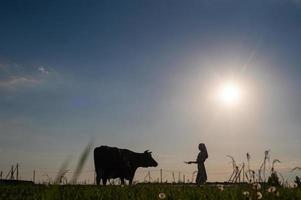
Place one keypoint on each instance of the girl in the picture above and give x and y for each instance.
(202, 156)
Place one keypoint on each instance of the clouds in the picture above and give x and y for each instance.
(43, 70)
(17, 81)
(14, 76)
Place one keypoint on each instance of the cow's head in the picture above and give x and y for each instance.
(148, 159)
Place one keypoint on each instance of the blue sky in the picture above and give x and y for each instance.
(137, 74)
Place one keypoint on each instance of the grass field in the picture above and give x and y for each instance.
(145, 191)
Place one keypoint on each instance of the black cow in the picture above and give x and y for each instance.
(112, 162)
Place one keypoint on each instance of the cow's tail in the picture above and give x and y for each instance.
(95, 159)
(97, 177)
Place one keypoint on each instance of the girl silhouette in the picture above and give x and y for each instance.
(202, 156)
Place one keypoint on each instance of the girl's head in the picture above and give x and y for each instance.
(202, 147)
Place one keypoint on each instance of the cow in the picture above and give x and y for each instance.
(112, 162)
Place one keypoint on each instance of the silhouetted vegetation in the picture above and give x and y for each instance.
(145, 191)
(273, 180)
(298, 181)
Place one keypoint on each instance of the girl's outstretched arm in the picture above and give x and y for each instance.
(190, 162)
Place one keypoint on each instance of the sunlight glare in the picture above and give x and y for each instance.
(230, 93)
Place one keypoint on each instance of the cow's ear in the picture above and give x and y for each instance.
(148, 152)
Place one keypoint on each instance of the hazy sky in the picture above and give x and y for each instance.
(142, 75)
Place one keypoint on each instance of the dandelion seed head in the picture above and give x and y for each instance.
(162, 195)
(271, 189)
(259, 195)
(220, 187)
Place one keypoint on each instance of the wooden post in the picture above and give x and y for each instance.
(173, 177)
(17, 169)
(160, 175)
(34, 176)
(148, 175)
(94, 178)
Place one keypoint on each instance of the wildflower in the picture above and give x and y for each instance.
(271, 189)
(256, 186)
(246, 193)
(220, 187)
(259, 195)
(162, 195)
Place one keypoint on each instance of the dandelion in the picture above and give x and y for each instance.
(162, 195)
(220, 187)
(271, 189)
(246, 193)
(259, 195)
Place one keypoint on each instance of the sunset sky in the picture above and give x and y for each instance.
(146, 74)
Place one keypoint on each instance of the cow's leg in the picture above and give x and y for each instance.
(97, 177)
(122, 181)
(104, 180)
(131, 177)
(131, 180)
(97, 180)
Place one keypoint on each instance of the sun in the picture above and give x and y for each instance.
(229, 93)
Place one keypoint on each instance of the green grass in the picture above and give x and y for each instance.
(141, 192)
